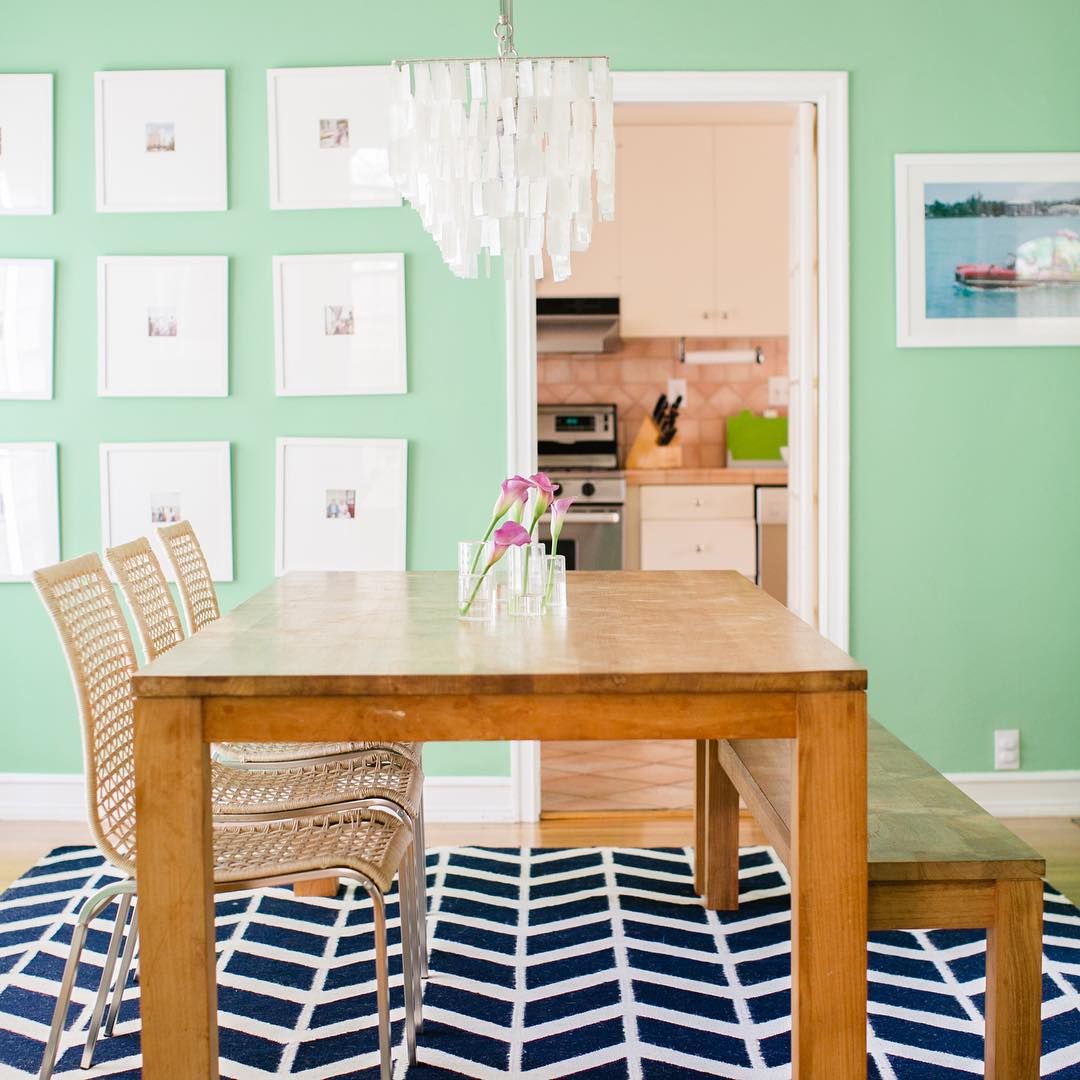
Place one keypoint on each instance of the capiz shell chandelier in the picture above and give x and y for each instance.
(497, 155)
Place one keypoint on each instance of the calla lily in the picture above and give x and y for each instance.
(545, 491)
(513, 494)
(558, 517)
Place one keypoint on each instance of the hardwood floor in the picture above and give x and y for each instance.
(22, 843)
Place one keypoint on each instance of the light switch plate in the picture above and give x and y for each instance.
(1007, 748)
(778, 390)
(676, 388)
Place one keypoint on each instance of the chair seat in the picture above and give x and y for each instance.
(368, 841)
(376, 774)
(252, 753)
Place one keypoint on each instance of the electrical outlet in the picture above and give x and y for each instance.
(778, 390)
(676, 388)
(1007, 748)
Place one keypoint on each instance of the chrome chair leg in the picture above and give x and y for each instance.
(122, 974)
(422, 898)
(105, 982)
(97, 903)
(410, 981)
(382, 980)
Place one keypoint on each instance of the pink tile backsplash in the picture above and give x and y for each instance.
(635, 376)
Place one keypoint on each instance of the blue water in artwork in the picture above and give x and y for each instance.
(950, 241)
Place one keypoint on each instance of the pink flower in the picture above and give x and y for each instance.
(509, 534)
(558, 517)
(544, 484)
(514, 492)
(545, 491)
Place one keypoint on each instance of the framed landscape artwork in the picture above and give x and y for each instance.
(29, 509)
(339, 324)
(163, 326)
(26, 144)
(26, 329)
(160, 139)
(329, 130)
(146, 485)
(988, 249)
(341, 504)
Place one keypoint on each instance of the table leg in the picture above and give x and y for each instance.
(701, 823)
(721, 869)
(175, 883)
(1014, 982)
(325, 886)
(829, 888)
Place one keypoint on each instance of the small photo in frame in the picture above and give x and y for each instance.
(163, 326)
(26, 329)
(160, 139)
(329, 130)
(147, 485)
(339, 324)
(341, 504)
(26, 144)
(988, 249)
(29, 509)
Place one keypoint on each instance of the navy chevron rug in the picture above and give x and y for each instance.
(592, 962)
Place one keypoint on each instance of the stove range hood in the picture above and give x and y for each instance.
(577, 324)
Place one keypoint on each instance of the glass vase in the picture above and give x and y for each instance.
(476, 597)
(527, 581)
(554, 584)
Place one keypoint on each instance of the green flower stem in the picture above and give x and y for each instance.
(476, 588)
(480, 550)
(551, 569)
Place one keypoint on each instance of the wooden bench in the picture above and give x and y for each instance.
(937, 861)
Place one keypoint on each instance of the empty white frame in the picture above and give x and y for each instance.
(163, 326)
(146, 485)
(26, 144)
(160, 139)
(329, 130)
(26, 328)
(339, 324)
(341, 504)
(29, 509)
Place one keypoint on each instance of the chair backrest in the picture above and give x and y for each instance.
(144, 587)
(192, 574)
(101, 659)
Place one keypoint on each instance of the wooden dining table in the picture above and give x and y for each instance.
(320, 657)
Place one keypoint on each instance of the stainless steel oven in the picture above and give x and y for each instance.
(577, 447)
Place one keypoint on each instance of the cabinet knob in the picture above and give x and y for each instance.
(699, 548)
(705, 314)
(697, 502)
(723, 314)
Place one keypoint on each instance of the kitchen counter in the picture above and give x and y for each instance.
(777, 477)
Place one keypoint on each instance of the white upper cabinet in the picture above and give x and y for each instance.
(665, 210)
(699, 245)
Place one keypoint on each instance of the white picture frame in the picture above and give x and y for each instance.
(27, 290)
(146, 485)
(29, 509)
(339, 324)
(365, 479)
(160, 141)
(26, 144)
(977, 250)
(163, 326)
(329, 134)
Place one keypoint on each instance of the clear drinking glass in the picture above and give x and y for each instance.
(527, 582)
(554, 584)
(475, 589)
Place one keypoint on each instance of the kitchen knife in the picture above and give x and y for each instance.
(658, 409)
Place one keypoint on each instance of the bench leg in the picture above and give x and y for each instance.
(701, 749)
(1014, 982)
(316, 887)
(720, 843)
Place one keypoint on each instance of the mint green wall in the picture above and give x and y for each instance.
(965, 516)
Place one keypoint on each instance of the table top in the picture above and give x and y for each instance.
(314, 634)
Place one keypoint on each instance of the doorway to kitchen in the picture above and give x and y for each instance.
(812, 109)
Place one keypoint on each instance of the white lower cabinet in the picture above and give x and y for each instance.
(699, 528)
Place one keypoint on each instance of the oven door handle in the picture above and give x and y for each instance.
(598, 517)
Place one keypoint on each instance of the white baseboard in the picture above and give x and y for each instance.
(62, 797)
(1023, 794)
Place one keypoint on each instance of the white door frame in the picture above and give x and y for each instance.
(828, 92)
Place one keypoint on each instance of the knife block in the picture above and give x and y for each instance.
(645, 454)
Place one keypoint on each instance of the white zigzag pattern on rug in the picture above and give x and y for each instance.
(593, 962)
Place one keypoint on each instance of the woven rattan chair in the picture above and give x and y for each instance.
(362, 842)
(303, 775)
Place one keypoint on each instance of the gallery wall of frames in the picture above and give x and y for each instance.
(247, 340)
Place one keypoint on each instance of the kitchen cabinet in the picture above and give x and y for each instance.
(699, 244)
(698, 527)
(665, 209)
